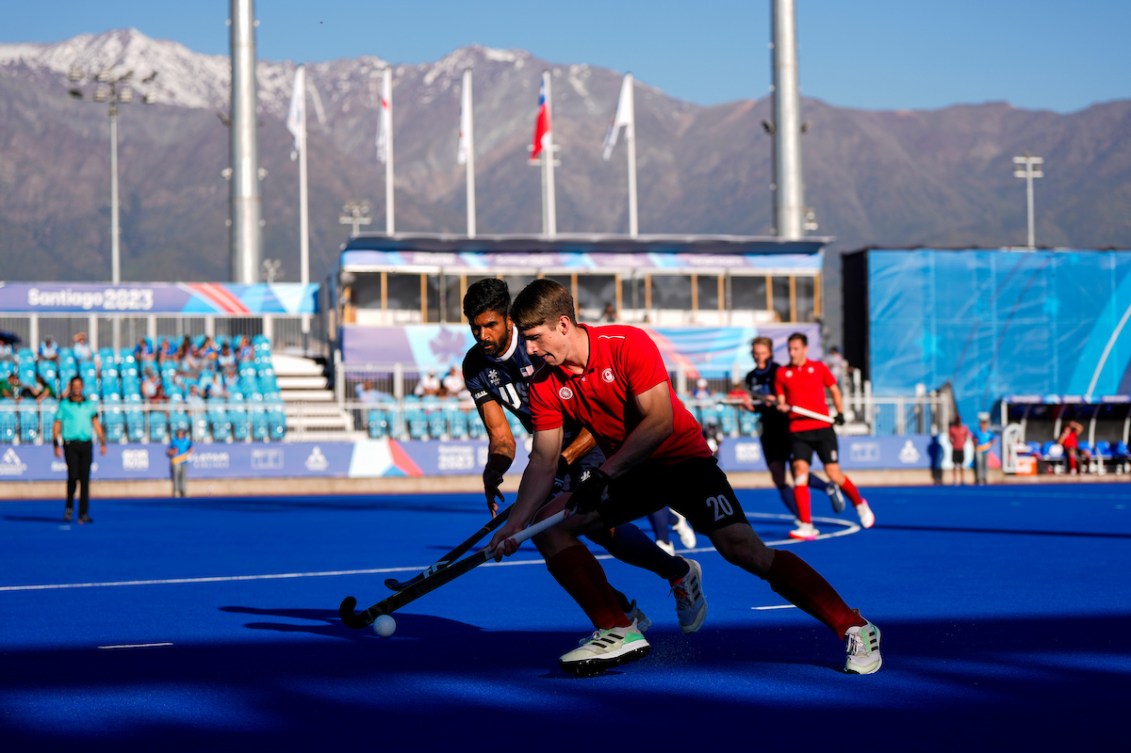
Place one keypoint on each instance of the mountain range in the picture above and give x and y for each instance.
(937, 178)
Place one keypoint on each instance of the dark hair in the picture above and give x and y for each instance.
(799, 336)
(486, 295)
(762, 340)
(540, 302)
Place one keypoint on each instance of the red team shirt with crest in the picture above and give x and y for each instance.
(623, 362)
(804, 386)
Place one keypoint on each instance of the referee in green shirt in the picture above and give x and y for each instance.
(76, 422)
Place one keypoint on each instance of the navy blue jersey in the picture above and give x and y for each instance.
(503, 380)
(760, 384)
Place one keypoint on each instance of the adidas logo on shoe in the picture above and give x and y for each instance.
(607, 648)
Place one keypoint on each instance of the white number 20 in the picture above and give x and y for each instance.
(721, 505)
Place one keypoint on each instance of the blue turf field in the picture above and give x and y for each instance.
(211, 624)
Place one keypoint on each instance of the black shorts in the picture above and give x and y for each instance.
(777, 443)
(695, 488)
(958, 456)
(821, 441)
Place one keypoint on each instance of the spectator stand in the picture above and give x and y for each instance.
(1032, 424)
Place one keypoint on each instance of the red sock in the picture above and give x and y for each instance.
(804, 509)
(852, 492)
(578, 572)
(802, 586)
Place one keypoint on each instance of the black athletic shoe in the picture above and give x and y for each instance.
(84, 519)
(68, 514)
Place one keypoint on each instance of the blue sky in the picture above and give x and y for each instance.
(874, 54)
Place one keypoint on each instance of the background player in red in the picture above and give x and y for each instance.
(803, 383)
(613, 381)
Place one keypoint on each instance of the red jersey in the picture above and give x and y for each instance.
(804, 386)
(623, 362)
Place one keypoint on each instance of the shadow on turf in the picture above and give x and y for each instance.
(326, 623)
(946, 685)
(1007, 532)
(56, 520)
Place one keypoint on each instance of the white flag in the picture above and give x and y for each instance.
(625, 116)
(296, 118)
(465, 140)
(384, 127)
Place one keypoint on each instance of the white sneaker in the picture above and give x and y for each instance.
(805, 532)
(836, 496)
(867, 519)
(686, 534)
(604, 650)
(690, 604)
(862, 646)
(667, 546)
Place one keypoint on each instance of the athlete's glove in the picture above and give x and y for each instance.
(590, 493)
(492, 480)
(838, 419)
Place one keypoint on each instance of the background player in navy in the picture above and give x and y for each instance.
(613, 381)
(776, 441)
(498, 372)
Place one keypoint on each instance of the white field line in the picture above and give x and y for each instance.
(846, 529)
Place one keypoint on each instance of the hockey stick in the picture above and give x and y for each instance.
(357, 620)
(794, 409)
(399, 585)
(811, 414)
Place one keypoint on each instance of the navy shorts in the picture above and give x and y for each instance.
(777, 444)
(821, 441)
(695, 488)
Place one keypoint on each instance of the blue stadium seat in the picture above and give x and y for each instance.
(475, 427)
(377, 423)
(135, 425)
(9, 422)
(417, 422)
(29, 425)
(277, 423)
(158, 427)
(457, 421)
(114, 424)
(221, 426)
(237, 417)
(748, 423)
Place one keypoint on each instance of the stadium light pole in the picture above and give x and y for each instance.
(356, 214)
(113, 89)
(1029, 167)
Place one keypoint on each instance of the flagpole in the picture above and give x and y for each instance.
(297, 122)
(387, 102)
(467, 127)
(630, 138)
(549, 212)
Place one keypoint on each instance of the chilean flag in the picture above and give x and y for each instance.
(541, 124)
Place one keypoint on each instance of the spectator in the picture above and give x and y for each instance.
(429, 384)
(48, 350)
(226, 357)
(180, 448)
(39, 391)
(837, 364)
(702, 390)
(453, 383)
(81, 348)
(983, 443)
(1070, 440)
(143, 351)
(10, 387)
(208, 352)
(7, 351)
(152, 388)
(737, 393)
(959, 435)
(246, 351)
(609, 315)
(231, 380)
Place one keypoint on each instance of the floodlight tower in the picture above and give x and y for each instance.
(786, 129)
(1028, 167)
(246, 231)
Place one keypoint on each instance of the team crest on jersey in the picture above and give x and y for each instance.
(607, 375)
(493, 377)
(565, 393)
(789, 373)
(527, 370)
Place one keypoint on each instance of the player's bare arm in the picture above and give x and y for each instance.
(536, 485)
(657, 425)
(500, 452)
(838, 398)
